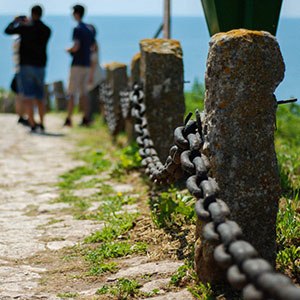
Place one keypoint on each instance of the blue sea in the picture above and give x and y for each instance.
(119, 39)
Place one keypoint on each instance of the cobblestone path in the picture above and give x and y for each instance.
(30, 165)
(29, 168)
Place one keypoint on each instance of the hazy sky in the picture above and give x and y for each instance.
(291, 8)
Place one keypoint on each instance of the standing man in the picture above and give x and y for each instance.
(83, 39)
(34, 36)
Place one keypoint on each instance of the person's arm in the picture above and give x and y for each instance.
(12, 28)
(76, 42)
(16, 26)
(74, 48)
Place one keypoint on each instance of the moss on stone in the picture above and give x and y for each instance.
(162, 46)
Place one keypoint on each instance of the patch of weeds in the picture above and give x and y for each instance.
(178, 277)
(289, 259)
(126, 199)
(87, 184)
(82, 204)
(287, 147)
(67, 197)
(289, 165)
(106, 189)
(194, 99)
(54, 221)
(288, 125)
(106, 211)
(67, 295)
(124, 289)
(172, 208)
(69, 257)
(115, 249)
(95, 165)
(288, 237)
(101, 268)
(119, 225)
(96, 160)
(129, 159)
(288, 222)
(186, 276)
(110, 206)
(32, 210)
(154, 292)
(70, 177)
(202, 291)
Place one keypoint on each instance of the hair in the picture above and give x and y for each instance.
(78, 9)
(37, 10)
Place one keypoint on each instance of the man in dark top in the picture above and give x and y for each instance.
(83, 40)
(34, 38)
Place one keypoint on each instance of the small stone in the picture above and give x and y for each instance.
(182, 295)
(155, 285)
(161, 267)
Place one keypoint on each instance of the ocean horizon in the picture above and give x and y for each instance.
(119, 38)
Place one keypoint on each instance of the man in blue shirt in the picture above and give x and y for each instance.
(83, 40)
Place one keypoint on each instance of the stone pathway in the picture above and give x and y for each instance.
(30, 165)
(29, 168)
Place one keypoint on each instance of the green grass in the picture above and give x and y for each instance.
(128, 160)
(288, 219)
(118, 226)
(69, 178)
(194, 99)
(202, 291)
(101, 268)
(181, 273)
(67, 295)
(115, 249)
(172, 208)
(124, 289)
(79, 204)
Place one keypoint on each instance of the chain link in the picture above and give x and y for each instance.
(125, 103)
(245, 270)
(112, 119)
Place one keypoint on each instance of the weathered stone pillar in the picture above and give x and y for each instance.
(59, 95)
(243, 70)
(162, 77)
(116, 74)
(47, 97)
(135, 67)
(134, 78)
(101, 92)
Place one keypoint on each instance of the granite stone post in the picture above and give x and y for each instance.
(135, 69)
(162, 77)
(243, 70)
(47, 99)
(101, 92)
(59, 95)
(134, 78)
(116, 74)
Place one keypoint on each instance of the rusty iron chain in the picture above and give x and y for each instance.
(246, 271)
(102, 87)
(110, 115)
(157, 171)
(125, 103)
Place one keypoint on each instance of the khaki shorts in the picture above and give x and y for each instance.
(78, 80)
